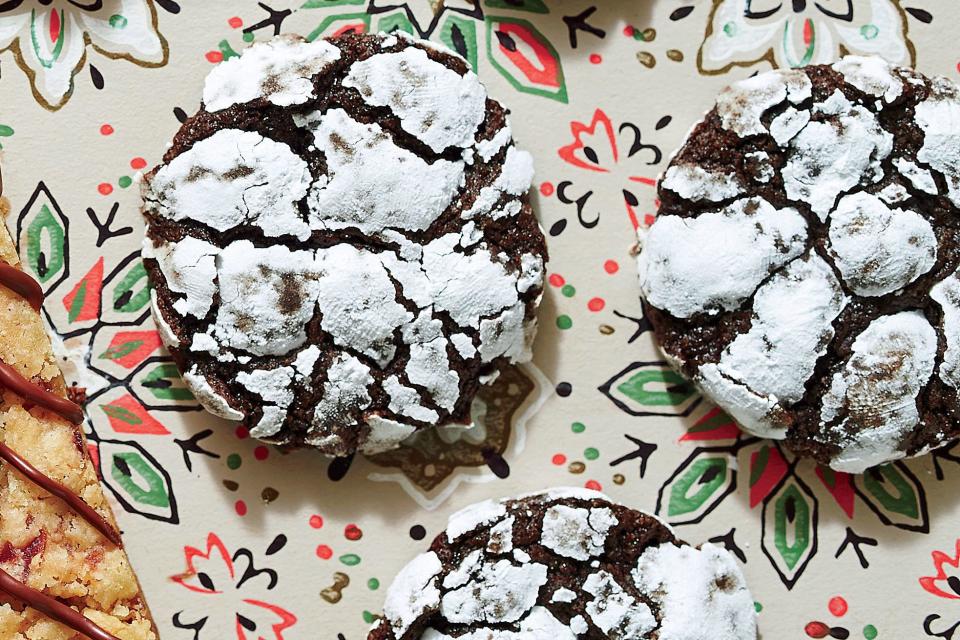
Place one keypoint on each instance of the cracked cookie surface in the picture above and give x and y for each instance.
(802, 270)
(341, 243)
(562, 565)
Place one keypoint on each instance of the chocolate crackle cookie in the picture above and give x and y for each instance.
(563, 565)
(341, 244)
(803, 267)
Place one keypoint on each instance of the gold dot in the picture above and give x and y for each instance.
(231, 485)
(648, 35)
(577, 467)
(606, 329)
(269, 494)
(675, 54)
(646, 59)
(618, 478)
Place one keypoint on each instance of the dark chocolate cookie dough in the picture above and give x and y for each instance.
(803, 267)
(566, 564)
(340, 242)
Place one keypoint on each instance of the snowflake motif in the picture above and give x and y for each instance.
(226, 595)
(793, 34)
(49, 41)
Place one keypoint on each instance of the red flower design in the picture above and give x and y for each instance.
(596, 147)
(211, 572)
(943, 585)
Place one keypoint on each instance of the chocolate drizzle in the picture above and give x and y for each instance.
(11, 379)
(52, 486)
(22, 284)
(52, 607)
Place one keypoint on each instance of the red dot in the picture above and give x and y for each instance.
(105, 188)
(611, 266)
(316, 521)
(596, 304)
(817, 630)
(138, 163)
(593, 485)
(595, 58)
(557, 280)
(235, 22)
(261, 453)
(241, 507)
(558, 459)
(838, 606)
(214, 57)
(324, 552)
(648, 219)
(352, 532)
(106, 130)
(628, 31)
(546, 188)
(242, 432)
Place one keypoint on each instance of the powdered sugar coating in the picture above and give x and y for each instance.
(279, 70)
(567, 564)
(939, 117)
(330, 232)
(689, 606)
(877, 390)
(678, 263)
(862, 157)
(879, 250)
(433, 102)
(792, 325)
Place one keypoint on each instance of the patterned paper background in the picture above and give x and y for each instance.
(236, 540)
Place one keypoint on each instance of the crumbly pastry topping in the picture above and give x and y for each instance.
(341, 244)
(802, 270)
(565, 564)
(58, 536)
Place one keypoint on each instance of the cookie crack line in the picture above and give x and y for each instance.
(344, 236)
(875, 179)
(34, 393)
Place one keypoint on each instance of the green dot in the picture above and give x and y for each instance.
(118, 21)
(350, 559)
(5, 131)
(248, 37)
(564, 322)
(368, 617)
(869, 632)
(125, 181)
(730, 29)
(373, 584)
(578, 427)
(758, 607)
(233, 460)
(568, 290)
(590, 453)
(869, 31)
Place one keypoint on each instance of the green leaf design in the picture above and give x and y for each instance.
(644, 388)
(460, 35)
(126, 298)
(115, 353)
(330, 21)
(763, 457)
(323, 4)
(395, 22)
(165, 383)
(532, 6)
(76, 305)
(138, 481)
(789, 537)
(510, 44)
(697, 485)
(121, 414)
(792, 530)
(45, 245)
(893, 492)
